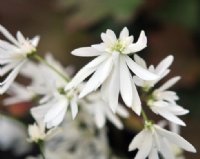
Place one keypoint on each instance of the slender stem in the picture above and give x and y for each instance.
(144, 116)
(40, 59)
(41, 150)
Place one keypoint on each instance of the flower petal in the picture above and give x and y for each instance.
(176, 139)
(125, 83)
(86, 52)
(6, 33)
(139, 71)
(74, 107)
(98, 78)
(124, 33)
(164, 64)
(85, 72)
(136, 104)
(140, 44)
(169, 83)
(10, 78)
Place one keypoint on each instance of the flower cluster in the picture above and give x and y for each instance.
(113, 74)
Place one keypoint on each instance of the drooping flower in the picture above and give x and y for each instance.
(154, 140)
(163, 102)
(162, 69)
(100, 110)
(111, 69)
(55, 101)
(13, 55)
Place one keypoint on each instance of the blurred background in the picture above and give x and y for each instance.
(171, 26)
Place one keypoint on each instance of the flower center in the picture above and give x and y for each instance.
(118, 46)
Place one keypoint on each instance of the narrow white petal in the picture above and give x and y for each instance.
(56, 120)
(10, 78)
(153, 154)
(136, 104)
(108, 40)
(74, 107)
(176, 139)
(114, 119)
(35, 41)
(121, 111)
(140, 44)
(140, 61)
(138, 81)
(114, 86)
(165, 149)
(5, 69)
(39, 112)
(124, 33)
(125, 83)
(20, 38)
(139, 71)
(98, 78)
(7, 46)
(137, 140)
(100, 118)
(164, 64)
(169, 83)
(85, 72)
(145, 147)
(5, 32)
(86, 52)
(56, 109)
(100, 47)
(111, 34)
(162, 109)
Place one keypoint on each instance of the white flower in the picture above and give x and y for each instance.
(37, 133)
(161, 70)
(163, 102)
(101, 111)
(19, 93)
(53, 111)
(13, 55)
(111, 69)
(154, 139)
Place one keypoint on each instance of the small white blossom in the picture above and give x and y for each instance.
(153, 140)
(100, 110)
(162, 69)
(55, 102)
(36, 133)
(163, 102)
(18, 93)
(111, 69)
(13, 55)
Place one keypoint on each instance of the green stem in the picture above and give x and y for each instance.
(40, 59)
(41, 150)
(144, 116)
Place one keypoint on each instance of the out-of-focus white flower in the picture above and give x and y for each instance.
(161, 70)
(101, 111)
(154, 139)
(53, 111)
(163, 102)
(55, 101)
(18, 93)
(13, 55)
(13, 136)
(37, 132)
(111, 69)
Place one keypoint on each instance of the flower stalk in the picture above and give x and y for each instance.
(42, 60)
